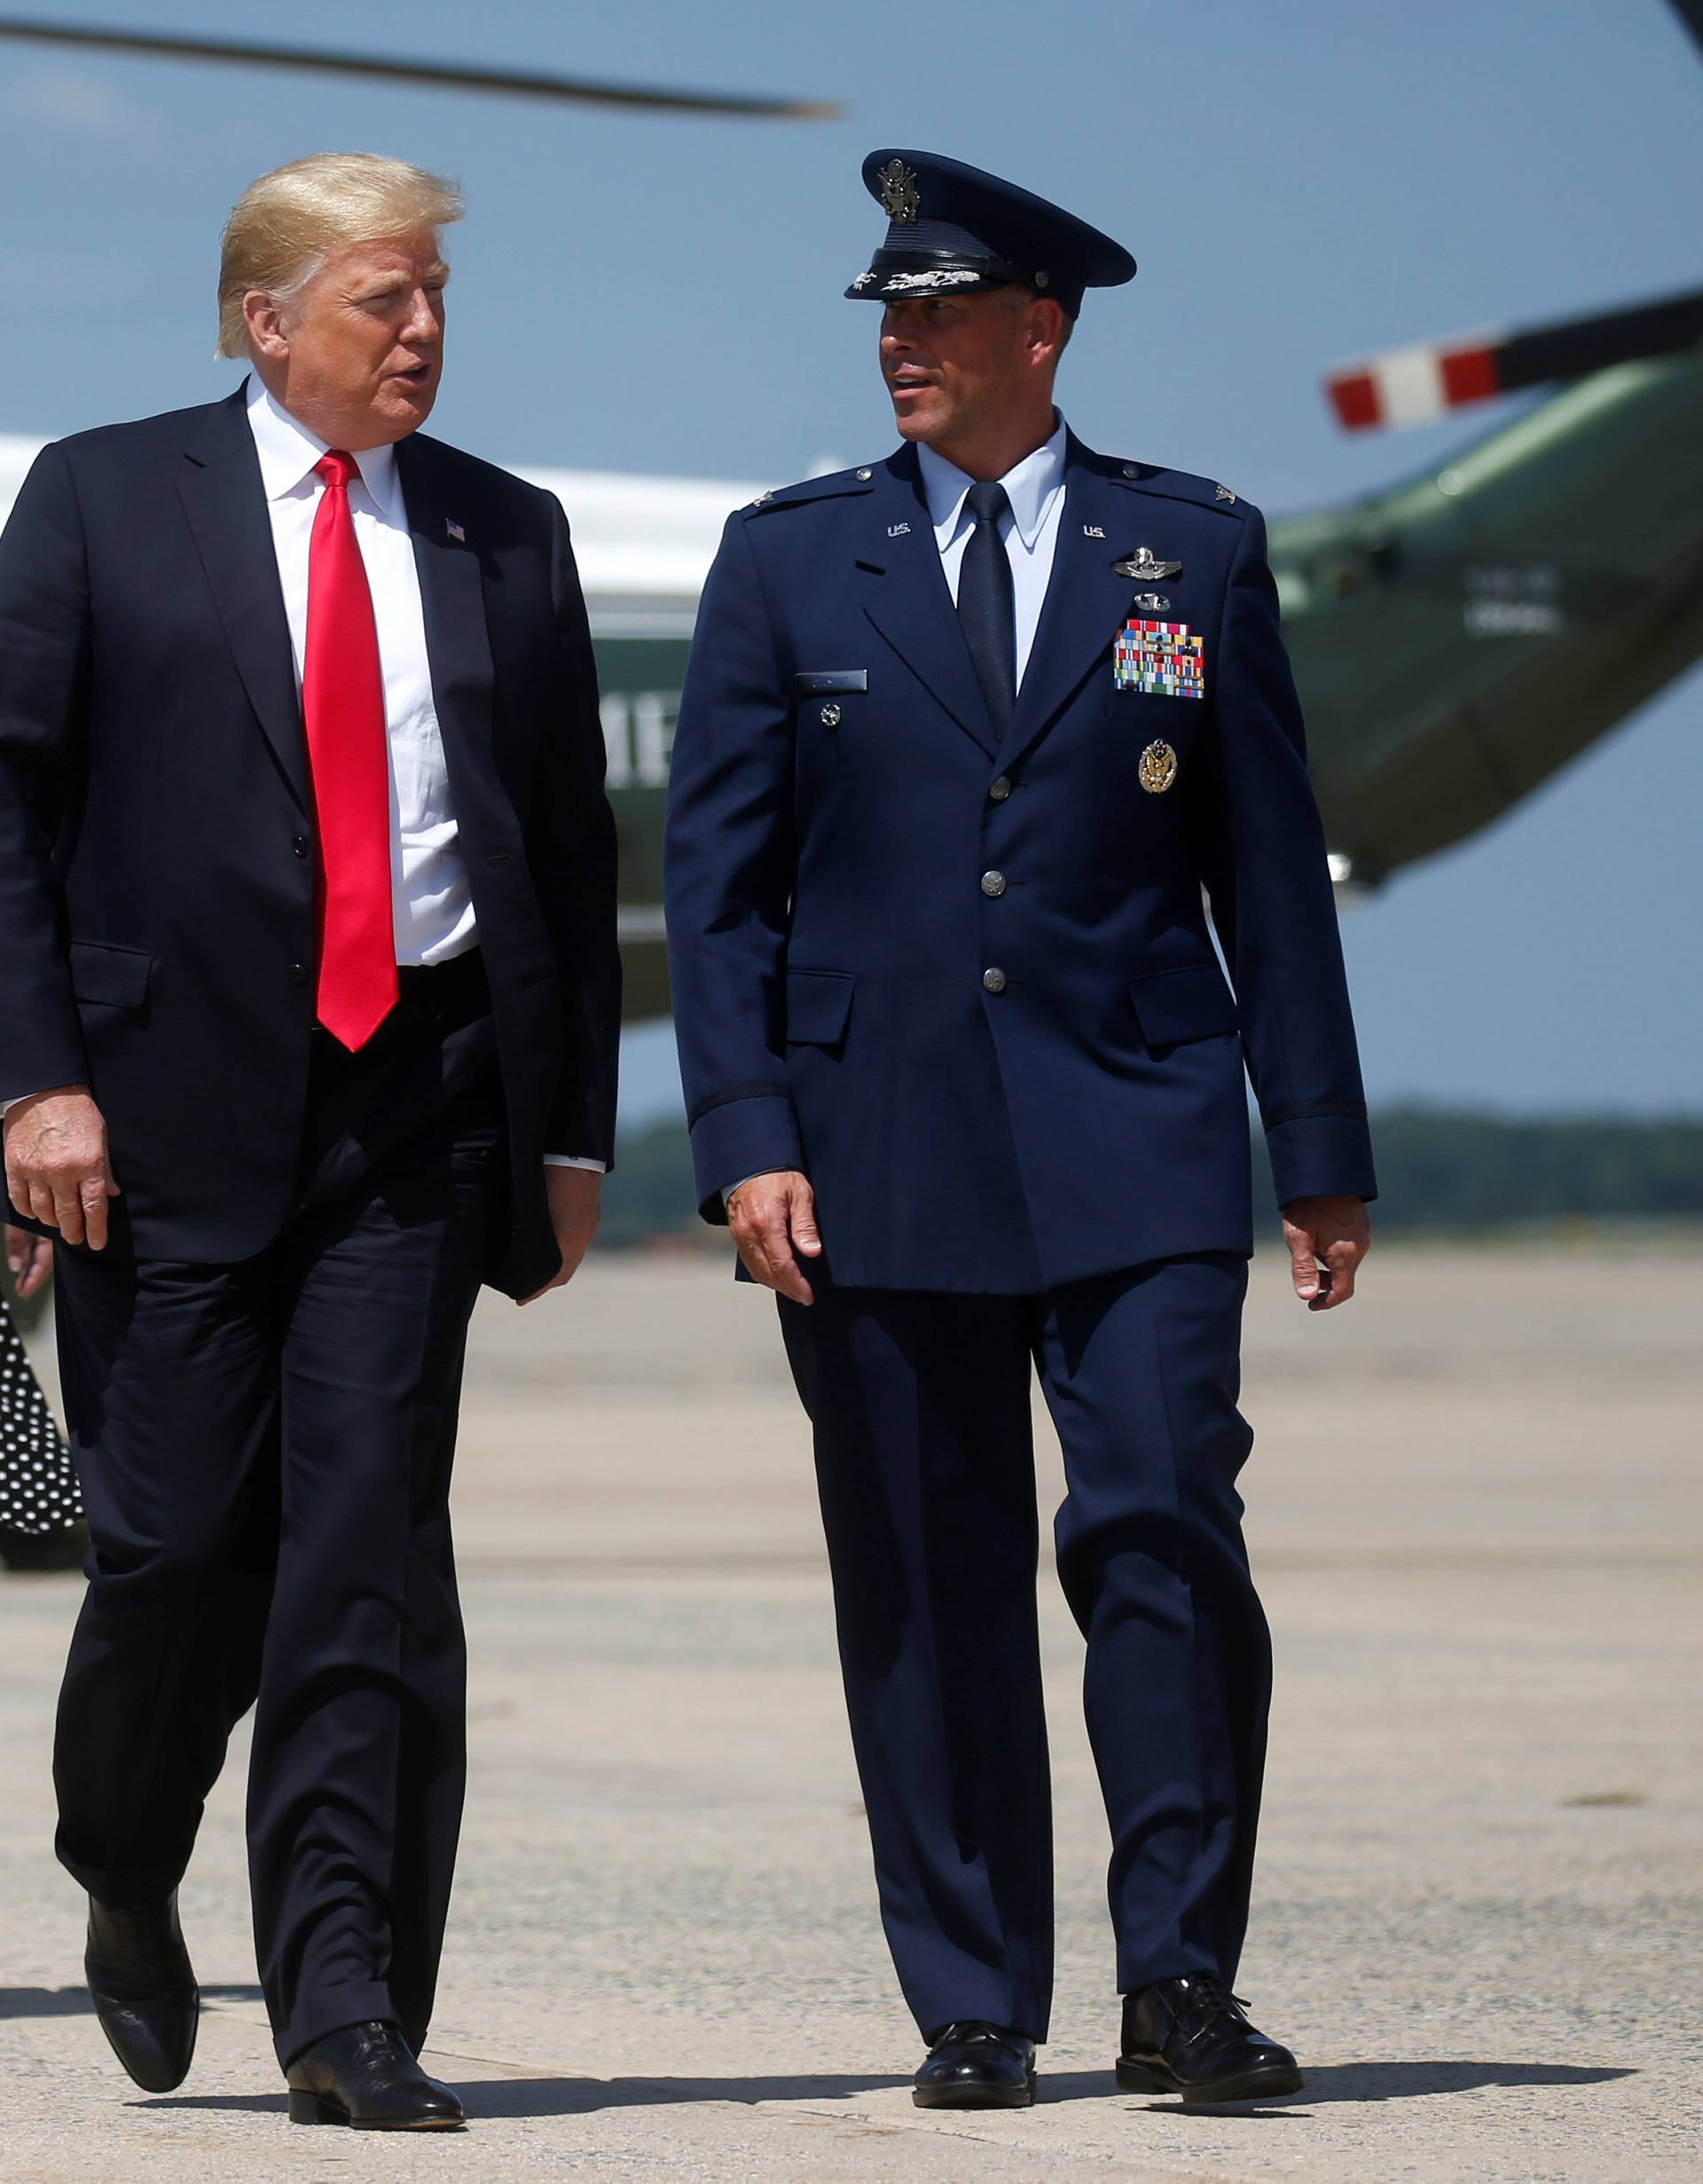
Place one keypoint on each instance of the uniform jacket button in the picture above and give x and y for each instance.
(993, 883)
(995, 981)
(999, 791)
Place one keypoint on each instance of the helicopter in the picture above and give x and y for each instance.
(1457, 636)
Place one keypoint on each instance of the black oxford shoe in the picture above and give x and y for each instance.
(143, 1986)
(1188, 2036)
(366, 2077)
(974, 2065)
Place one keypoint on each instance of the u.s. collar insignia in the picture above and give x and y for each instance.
(1157, 769)
(1142, 566)
(898, 196)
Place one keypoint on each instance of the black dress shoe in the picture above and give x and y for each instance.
(144, 1990)
(366, 2077)
(974, 2065)
(1188, 2036)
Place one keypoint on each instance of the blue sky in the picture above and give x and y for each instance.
(1300, 184)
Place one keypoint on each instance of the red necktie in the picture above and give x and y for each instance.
(342, 707)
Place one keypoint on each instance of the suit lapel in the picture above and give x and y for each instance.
(912, 608)
(1085, 601)
(452, 599)
(225, 505)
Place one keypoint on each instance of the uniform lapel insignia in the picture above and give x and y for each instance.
(1091, 530)
(899, 530)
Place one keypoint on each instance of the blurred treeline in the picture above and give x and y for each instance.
(1438, 1170)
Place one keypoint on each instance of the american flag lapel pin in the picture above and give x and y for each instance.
(455, 530)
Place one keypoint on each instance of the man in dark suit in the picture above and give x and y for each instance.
(311, 992)
(966, 733)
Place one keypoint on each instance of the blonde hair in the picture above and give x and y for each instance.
(282, 226)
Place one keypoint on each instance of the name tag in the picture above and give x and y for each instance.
(830, 682)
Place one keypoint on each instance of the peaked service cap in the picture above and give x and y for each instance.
(955, 230)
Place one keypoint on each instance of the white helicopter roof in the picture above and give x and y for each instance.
(644, 545)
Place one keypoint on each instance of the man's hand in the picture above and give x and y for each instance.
(771, 1217)
(57, 1169)
(30, 1259)
(1327, 1238)
(576, 1196)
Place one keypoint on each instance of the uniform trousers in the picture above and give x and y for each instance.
(265, 1450)
(920, 1404)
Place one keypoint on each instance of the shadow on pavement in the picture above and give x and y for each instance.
(513, 2098)
(1353, 2082)
(73, 2002)
(492, 2098)
(1408, 2081)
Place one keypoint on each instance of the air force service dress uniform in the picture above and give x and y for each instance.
(957, 969)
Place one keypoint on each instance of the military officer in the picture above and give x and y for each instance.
(966, 733)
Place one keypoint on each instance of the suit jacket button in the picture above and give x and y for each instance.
(298, 973)
(993, 884)
(999, 791)
(995, 981)
(300, 845)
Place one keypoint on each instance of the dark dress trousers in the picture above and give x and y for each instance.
(262, 1370)
(963, 979)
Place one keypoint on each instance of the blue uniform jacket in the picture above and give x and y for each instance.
(967, 987)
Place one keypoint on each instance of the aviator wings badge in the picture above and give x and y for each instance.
(1142, 566)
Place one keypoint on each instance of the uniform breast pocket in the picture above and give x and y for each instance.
(1153, 735)
(829, 698)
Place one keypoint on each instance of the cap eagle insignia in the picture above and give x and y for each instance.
(898, 196)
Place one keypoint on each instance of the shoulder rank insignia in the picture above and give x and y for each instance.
(762, 499)
(1142, 566)
(898, 196)
(1223, 492)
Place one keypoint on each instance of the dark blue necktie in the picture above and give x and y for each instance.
(986, 612)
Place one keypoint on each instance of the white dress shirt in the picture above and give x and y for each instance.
(1035, 488)
(431, 902)
(432, 906)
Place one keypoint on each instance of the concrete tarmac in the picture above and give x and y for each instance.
(1473, 1509)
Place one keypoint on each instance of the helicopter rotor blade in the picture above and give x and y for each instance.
(1691, 13)
(440, 75)
(1414, 385)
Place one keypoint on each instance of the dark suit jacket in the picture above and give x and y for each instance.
(846, 867)
(156, 817)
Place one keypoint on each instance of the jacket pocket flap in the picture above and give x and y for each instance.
(1192, 1003)
(117, 976)
(818, 1005)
